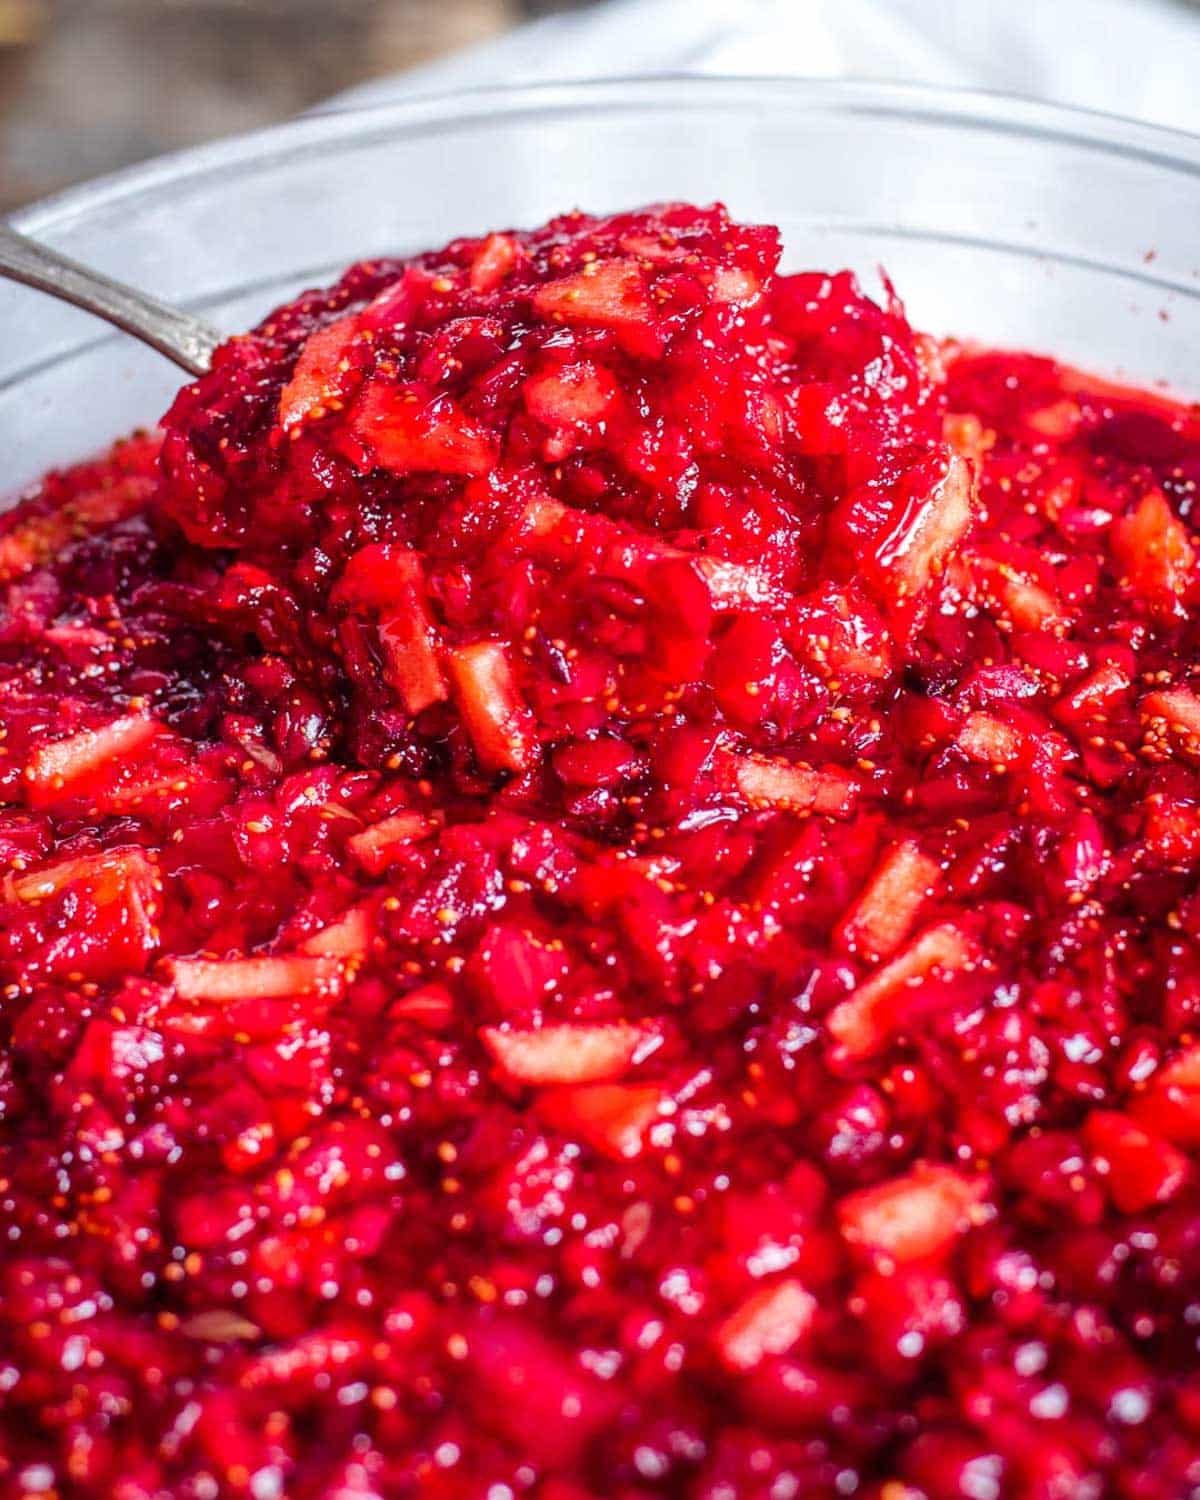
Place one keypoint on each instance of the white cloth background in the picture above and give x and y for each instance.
(1129, 57)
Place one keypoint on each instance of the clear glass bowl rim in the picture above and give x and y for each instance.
(332, 126)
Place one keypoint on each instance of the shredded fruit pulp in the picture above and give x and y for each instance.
(598, 898)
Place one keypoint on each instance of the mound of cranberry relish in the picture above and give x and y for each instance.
(599, 900)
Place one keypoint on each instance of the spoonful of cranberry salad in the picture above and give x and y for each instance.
(599, 899)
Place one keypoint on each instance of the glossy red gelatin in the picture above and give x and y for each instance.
(599, 900)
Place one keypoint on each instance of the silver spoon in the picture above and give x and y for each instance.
(182, 338)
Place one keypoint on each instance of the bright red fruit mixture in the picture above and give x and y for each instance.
(599, 901)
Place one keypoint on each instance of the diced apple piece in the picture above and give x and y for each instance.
(140, 791)
(734, 585)
(530, 1388)
(570, 395)
(1093, 696)
(431, 1006)
(410, 659)
(989, 740)
(883, 915)
(60, 768)
(878, 1008)
(766, 782)
(1022, 601)
(494, 259)
(733, 284)
(605, 294)
(410, 429)
(384, 842)
(264, 978)
(612, 1118)
(899, 554)
(967, 435)
(514, 968)
(119, 933)
(559, 533)
(318, 385)
(1142, 1169)
(500, 725)
(913, 1217)
(349, 937)
(379, 577)
(1152, 549)
(840, 633)
(107, 874)
(1059, 421)
(219, 1325)
(768, 1322)
(1171, 717)
(570, 1052)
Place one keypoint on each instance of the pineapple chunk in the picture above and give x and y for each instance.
(263, 978)
(412, 430)
(1171, 718)
(990, 741)
(62, 768)
(500, 725)
(612, 1118)
(605, 294)
(348, 938)
(570, 1052)
(913, 1217)
(384, 842)
(879, 1007)
(883, 915)
(1156, 559)
(768, 1322)
(789, 787)
(318, 384)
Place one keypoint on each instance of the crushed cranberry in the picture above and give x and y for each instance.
(599, 900)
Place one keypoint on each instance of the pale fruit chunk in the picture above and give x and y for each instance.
(608, 294)
(61, 768)
(1152, 549)
(883, 915)
(767, 1323)
(790, 787)
(612, 1118)
(913, 1217)
(882, 1004)
(262, 978)
(500, 725)
(570, 1052)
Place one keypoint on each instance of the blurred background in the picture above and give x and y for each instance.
(90, 85)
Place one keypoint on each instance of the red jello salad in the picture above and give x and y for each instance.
(599, 900)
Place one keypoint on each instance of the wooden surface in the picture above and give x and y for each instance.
(89, 85)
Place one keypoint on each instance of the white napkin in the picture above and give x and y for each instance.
(1129, 57)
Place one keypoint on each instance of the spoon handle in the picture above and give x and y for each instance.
(178, 335)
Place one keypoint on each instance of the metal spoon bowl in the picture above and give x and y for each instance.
(178, 335)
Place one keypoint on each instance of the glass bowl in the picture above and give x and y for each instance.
(998, 219)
